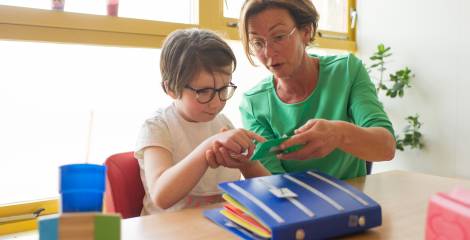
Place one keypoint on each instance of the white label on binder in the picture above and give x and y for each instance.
(282, 192)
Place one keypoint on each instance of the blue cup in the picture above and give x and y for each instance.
(82, 187)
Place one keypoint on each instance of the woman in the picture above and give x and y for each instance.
(327, 104)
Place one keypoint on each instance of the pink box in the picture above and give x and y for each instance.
(112, 7)
(449, 215)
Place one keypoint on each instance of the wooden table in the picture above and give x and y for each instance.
(402, 195)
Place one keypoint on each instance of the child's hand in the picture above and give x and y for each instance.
(232, 148)
(237, 140)
(211, 159)
(233, 160)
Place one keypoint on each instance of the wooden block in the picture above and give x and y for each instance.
(77, 226)
(108, 227)
(80, 226)
(48, 227)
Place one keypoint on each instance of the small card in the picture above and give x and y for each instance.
(268, 148)
(282, 192)
(271, 148)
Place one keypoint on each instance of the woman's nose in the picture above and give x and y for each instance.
(269, 49)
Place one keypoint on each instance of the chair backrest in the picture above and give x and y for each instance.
(124, 189)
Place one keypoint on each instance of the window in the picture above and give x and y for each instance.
(335, 28)
(40, 4)
(49, 109)
(232, 8)
(333, 15)
(179, 11)
(52, 96)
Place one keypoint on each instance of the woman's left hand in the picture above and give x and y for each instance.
(318, 138)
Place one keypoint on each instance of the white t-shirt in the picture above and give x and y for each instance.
(169, 130)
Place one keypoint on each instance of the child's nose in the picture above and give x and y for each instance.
(215, 102)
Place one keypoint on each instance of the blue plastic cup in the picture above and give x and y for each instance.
(82, 187)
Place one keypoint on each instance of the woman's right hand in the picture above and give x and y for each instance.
(319, 138)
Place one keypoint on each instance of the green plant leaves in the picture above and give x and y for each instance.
(395, 86)
(410, 136)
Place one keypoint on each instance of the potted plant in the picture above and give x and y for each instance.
(394, 86)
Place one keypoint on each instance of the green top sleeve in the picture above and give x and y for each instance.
(364, 107)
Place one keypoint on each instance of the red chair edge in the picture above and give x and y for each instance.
(132, 205)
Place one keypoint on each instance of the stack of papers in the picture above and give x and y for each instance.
(242, 217)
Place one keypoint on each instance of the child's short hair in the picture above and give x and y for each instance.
(186, 52)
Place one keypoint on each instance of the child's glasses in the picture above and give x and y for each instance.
(257, 45)
(205, 95)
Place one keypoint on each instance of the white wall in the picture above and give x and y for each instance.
(432, 38)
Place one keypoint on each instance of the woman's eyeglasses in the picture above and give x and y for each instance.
(257, 45)
(205, 95)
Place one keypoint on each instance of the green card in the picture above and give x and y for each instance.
(271, 148)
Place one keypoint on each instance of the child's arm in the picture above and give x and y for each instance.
(254, 169)
(168, 183)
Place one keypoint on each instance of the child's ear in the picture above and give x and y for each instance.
(168, 91)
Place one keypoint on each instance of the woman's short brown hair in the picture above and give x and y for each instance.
(186, 52)
(302, 11)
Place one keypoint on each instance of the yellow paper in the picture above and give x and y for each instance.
(242, 222)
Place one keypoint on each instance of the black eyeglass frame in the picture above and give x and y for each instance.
(214, 90)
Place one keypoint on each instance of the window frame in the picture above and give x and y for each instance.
(51, 206)
(323, 39)
(19, 23)
(29, 24)
(338, 40)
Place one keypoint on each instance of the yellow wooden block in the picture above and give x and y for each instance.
(77, 226)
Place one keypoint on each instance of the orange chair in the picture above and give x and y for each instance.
(124, 189)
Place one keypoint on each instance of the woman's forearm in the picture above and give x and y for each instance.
(370, 144)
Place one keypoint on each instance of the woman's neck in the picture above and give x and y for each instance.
(302, 82)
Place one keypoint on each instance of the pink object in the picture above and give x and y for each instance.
(58, 4)
(113, 6)
(449, 215)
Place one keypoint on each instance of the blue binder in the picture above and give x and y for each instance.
(323, 206)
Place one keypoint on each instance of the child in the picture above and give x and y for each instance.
(196, 67)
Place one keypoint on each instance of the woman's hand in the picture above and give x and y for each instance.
(318, 138)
